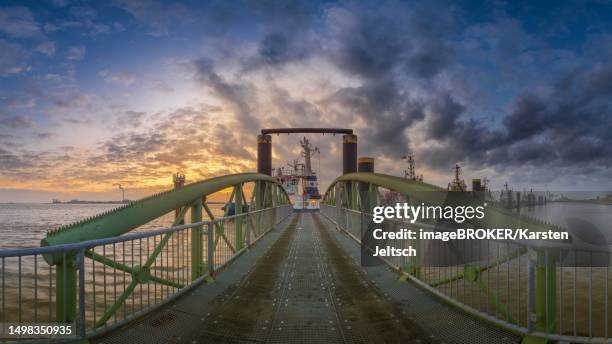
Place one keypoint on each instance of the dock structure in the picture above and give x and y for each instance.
(303, 284)
(264, 274)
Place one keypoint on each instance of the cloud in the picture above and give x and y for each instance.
(43, 136)
(18, 21)
(238, 96)
(10, 161)
(157, 15)
(12, 59)
(123, 78)
(76, 53)
(16, 122)
(69, 99)
(83, 12)
(47, 48)
(162, 86)
(131, 118)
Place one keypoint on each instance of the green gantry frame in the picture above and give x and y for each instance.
(345, 192)
(267, 193)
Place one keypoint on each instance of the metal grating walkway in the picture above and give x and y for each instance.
(302, 284)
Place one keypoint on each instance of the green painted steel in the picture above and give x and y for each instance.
(496, 217)
(239, 238)
(196, 241)
(66, 290)
(121, 220)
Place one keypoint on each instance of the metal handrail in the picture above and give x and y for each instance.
(16, 252)
(481, 289)
(126, 276)
(539, 244)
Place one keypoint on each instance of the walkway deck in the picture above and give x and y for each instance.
(302, 283)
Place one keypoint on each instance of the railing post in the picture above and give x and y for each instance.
(80, 263)
(541, 297)
(211, 249)
(531, 316)
(196, 240)
(546, 296)
(258, 204)
(66, 289)
(248, 230)
(238, 220)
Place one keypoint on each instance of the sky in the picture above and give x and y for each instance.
(130, 92)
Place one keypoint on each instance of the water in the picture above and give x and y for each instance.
(27, 283)
(24, 225)
(590, 222)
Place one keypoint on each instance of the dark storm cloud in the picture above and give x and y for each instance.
(238, 96)
(277, 48)
(388, 48)
(286, 29)
(405, 64)
(567, 126)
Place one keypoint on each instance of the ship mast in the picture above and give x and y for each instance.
(307, 153)
(457, 184)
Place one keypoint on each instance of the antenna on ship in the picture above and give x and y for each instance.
(410, 173)
(457, 184)
(307, 152)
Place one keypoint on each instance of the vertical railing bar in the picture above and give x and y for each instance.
(164, 265)
(50, 288)
(530, 290)
(179, 262)
(154, 266)
(590, 294)
(124, 277)
(19, 288)
(497, 281)
(508, 297)
(81, 270)
(148, 284)
(115, 280)
(140, 285)
(561, 296)
(488, 272)
(93, 277)
(546, 286)
(211, 249)
(173, 239)
(574, 292)
(133, 261)
(104, 281)
(4, 292)
(64, 291)
(606, 299)
(36, 288)
(518, 305)
(162, 272)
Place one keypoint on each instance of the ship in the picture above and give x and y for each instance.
(300, 180)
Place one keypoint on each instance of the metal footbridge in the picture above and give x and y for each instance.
(269, 275)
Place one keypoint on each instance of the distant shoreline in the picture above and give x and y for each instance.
(602, 201)
(90, 202)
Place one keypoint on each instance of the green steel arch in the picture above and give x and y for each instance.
(267, 192)
(434, 195)
(348, 195)
(123, 219)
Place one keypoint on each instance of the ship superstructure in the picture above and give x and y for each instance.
(300, 180)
